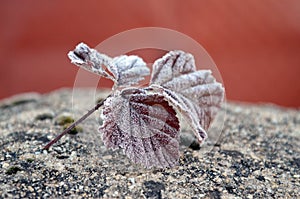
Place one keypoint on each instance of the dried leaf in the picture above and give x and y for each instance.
(144, 125)
(196, 94)
(90, 59)
(128, 70)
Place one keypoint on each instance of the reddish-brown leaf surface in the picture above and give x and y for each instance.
(144, 125)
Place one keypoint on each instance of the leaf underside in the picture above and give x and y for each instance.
(144, 125)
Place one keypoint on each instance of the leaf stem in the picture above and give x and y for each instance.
(73, 125)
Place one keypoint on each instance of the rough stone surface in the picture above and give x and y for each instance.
(257, 155)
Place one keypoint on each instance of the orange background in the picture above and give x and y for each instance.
(255, 43)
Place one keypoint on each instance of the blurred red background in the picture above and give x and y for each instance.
(255, 44)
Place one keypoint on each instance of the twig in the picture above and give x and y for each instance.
(73, 125)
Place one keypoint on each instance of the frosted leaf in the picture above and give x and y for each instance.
(90, 59)
(141, 121)
(144, 125)
(196, 94)
(125, 70)
(128, 70)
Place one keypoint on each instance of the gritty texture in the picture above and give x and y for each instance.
(257, 155)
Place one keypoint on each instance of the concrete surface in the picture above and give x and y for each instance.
(257, 155)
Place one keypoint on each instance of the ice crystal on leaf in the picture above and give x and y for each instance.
(89, 59)
(128, 70)
(143, 121)
(144, 125)
(125, 70)
(196, 94)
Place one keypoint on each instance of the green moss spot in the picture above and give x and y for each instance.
(75, 130)
(13, 170)
(63, 120)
